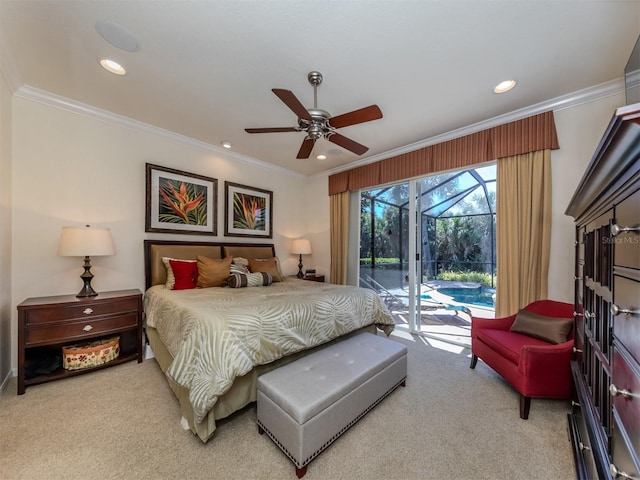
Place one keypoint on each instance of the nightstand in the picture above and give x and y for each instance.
(46, 324)
(315, 278)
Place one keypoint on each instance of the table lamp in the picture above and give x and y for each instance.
(85, 242)
(301, 247)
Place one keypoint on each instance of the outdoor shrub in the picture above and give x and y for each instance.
(482, 278)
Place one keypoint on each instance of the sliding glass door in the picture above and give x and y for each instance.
(388, 247)
(419, 240)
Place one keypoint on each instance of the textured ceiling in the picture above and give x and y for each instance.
(205, 69)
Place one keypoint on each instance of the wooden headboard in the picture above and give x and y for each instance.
(154, 250)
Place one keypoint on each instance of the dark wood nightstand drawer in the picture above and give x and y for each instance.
(315, 278)
(77, 330)
(82, 310)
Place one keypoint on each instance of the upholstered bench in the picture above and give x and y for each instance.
(305, 405)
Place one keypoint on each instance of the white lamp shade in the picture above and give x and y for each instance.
(301, 246)
(85, 241)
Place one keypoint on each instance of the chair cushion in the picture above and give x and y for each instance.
(551, 329)
(507, 344)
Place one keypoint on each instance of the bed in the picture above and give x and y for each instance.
(253, 330)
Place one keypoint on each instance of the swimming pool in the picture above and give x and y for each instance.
(480, 296)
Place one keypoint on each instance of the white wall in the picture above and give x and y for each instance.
(579, 131)
(5, 232)
(71, 169)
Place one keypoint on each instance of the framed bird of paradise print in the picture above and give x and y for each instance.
(180, 202)
(248, 211)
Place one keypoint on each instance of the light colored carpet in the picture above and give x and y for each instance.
(124, 422)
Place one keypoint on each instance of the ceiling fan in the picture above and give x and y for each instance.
(319, 123)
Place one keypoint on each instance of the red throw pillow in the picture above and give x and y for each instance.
(186, 274)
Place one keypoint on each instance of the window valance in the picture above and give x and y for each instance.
(515, 138)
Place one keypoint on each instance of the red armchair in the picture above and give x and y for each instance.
(534, 367)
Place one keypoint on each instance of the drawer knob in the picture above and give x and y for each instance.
(615, 473)
(87, 328)
(617, 229)
(88, 311)
(575, 404)
(616, 310)
(615, 391)
(588, 314)
(576, 350)
(583, 446)
(577, 314)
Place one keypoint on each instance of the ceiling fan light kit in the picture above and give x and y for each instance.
(318, 123)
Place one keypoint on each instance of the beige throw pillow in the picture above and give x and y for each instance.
(550, 329)
(266, 265)
(213, 272)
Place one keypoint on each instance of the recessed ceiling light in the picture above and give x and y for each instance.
(504, 86)
(226, 144)
(112, 66)
(321, 156)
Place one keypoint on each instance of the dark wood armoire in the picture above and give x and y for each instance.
(604, 424)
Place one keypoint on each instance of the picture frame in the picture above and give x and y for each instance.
(180, 202)
(248, 211)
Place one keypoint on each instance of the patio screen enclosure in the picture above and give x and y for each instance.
(455, 231)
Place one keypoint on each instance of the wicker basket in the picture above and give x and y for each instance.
(85, 355)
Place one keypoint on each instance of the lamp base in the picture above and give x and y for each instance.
(87, 276)
(300, 274)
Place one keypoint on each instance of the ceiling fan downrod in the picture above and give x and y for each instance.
(315, 79)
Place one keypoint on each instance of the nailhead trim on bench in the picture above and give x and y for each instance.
(332, 439)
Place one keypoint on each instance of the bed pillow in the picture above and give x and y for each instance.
(550, 329)
(185, 274)
(258, 279)
(213, 272)
(239, 265)
(171, 279)
(266, 265)
(243, 262)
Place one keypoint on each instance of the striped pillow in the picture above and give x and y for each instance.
(233, 268)
(240, 280)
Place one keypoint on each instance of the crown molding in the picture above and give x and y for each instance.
(607, 89)
(56, 101)
(570, 100)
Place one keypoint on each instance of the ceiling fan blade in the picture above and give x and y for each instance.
(366, 114)
(271, 130)
(293, 103)
(306, 147)
(347, 143)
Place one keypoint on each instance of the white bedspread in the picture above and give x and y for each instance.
(218, 334)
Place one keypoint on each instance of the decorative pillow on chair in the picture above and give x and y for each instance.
(550, 329)
(171, 279)
(266, 265)
(258, 279)
(213, 272)
(185, 274)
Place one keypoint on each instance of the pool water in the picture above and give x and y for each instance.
(481, 296)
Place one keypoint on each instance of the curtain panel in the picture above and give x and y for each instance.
(515, 138)
(523, 230)
(339, 237)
